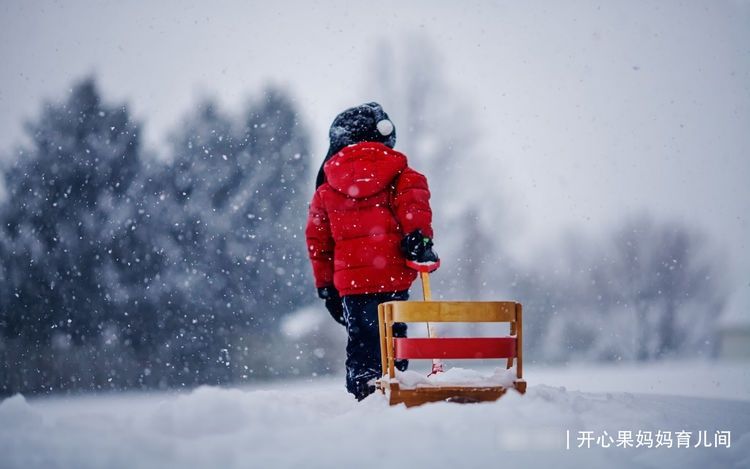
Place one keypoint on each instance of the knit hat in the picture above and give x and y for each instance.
(365, 123)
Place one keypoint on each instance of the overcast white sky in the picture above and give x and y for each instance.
(592, 110)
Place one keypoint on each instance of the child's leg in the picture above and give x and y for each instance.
(363, 347)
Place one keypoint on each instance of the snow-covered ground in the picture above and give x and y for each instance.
(316, 424)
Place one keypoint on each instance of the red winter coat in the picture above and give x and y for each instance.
(360, 214)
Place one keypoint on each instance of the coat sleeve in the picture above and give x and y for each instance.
(411, 203)
(320, 243)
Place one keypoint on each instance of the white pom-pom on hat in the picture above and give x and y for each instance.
(385, 127)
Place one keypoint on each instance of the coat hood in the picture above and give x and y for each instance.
(365, 123)
(363, 169)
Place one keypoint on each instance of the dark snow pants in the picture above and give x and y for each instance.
(363, 347)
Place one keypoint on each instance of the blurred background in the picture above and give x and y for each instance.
(590, 160)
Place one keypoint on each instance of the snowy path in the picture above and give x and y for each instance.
(317, 425)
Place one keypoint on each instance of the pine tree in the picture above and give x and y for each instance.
(67, 206)
(121, 271)
(276, 210)
(199, 291)
(228, 218)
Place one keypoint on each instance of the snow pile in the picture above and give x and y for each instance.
(316, 424)
(456, 377)
(303, 321)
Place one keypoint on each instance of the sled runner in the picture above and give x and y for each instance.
(394, 348)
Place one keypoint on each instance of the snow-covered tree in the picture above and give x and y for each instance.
(665, 275)
(644, 290)
(67, 207)
(122, 270)
(276, 209)
(227, 212)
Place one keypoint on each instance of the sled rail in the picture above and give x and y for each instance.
(453, 311)
(455, 348)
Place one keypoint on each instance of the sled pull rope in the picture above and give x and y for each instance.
(437, 364)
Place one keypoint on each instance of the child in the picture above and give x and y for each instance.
(369, 215)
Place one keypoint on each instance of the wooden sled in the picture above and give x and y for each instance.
(393, 348)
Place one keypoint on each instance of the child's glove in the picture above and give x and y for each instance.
(334, 305)
(418, 251)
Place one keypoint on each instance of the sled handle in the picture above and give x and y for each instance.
(426, 292)
(437, 364)
(423, 266)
